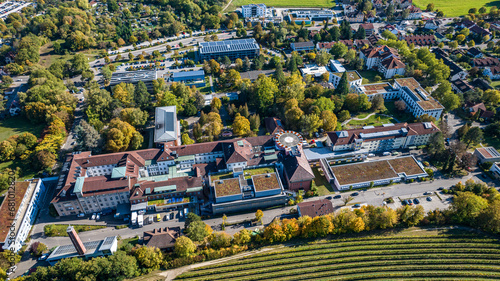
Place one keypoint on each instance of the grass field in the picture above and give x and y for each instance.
(369, 76)
(18, 125)
(59, 230)
(324, 187)
(288, 3)
(420, 255)
(374, 120)
(455, 9)
(47, 56)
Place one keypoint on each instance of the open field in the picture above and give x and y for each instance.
(408, 254)
(455, 9)
(290, 3)
(18, 125)
(47, 55)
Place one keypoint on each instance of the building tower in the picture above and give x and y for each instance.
(75, 239)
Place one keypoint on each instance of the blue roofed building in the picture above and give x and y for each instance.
(233, 49)
(189, 78)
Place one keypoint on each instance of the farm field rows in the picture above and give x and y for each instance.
(454, 8)
(457, 256)
(289, 3)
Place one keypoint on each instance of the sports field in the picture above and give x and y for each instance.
(452, 8)
(457, 256)
(289, 3)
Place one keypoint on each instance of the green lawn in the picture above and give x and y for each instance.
(374, 120)
(495, 84)
(455, 9)
(369, 76)
(59, 230)
(18, 125)
(290, 3)
(47, 56)
(324, 187)
(401, 116)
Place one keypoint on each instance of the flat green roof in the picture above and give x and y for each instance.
(194, 189)
(165, 188)
(79, 185)
(270, 157)
(185, 158)
(118, 172)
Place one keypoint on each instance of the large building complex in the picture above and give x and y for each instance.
(232, 49)
(189, 78)
(382, 138)
(19, 210)
(307, 16)
(179, 176)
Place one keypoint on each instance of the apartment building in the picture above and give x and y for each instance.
(353, 78)
(383, 59)
(253, 10)
(19, 210)
(382, 138)
(418, 101)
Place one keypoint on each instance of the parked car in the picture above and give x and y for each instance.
(329, 198)
(167, 217)
(43, 257)
(416, 201)
(371, 155)
(429, 198)
(405, 202)
(410, 202)
(355, 194)
(441, 188)
(150, 219)
(180, 214)
(93, 216)
(357, 206)
(337, 196)
(387, 153)
(171, 216)
(98, 217)
(427, 193)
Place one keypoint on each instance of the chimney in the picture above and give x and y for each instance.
(75, 239)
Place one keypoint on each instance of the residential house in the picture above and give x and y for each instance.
(162, 238)
(302, 46)
(315, 208)
(420, 40)
(493, 72)
(461, 86)
(479, 111)
(369, 29)
(485, 62)
(475, 52)
(481, 84)
(456, 71)
(433, 24)
(415, 13)
(325, 45)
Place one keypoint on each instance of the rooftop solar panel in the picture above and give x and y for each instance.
(228, 45)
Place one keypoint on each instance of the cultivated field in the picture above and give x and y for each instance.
(436, 257)
(453, 8)
(289, 3)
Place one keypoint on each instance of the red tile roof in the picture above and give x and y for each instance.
(315, 208)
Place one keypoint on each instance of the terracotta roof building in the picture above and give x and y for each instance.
(420, 40)
(315, 208)
(485, 62)
(162, 238)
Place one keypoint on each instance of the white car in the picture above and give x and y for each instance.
(98, 217)
(93, 216)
